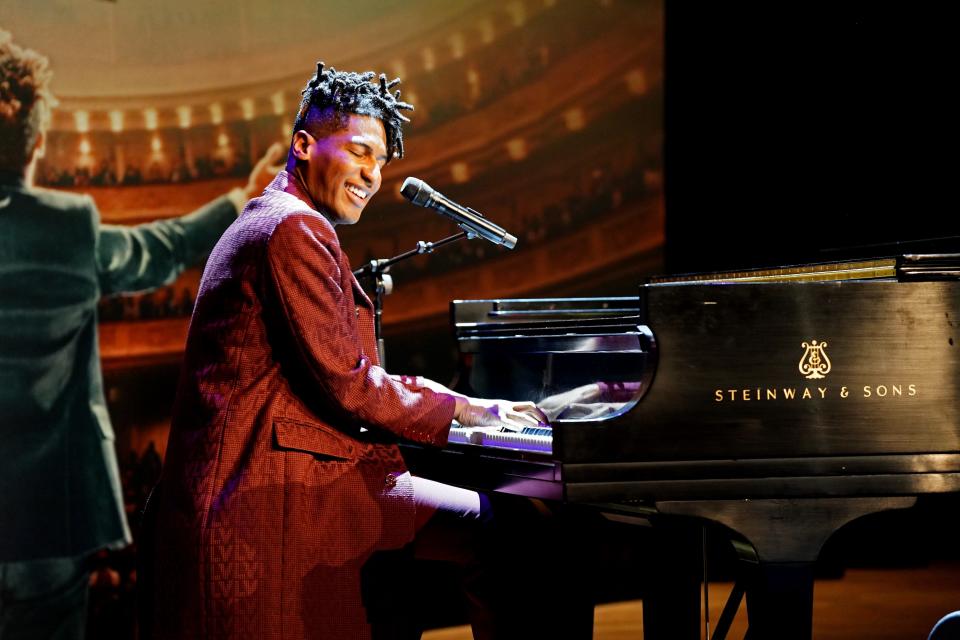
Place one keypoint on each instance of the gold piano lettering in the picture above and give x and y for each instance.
(759, 394)
(892, 390)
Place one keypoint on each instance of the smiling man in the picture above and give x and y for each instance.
(336, 159)
(283, 476)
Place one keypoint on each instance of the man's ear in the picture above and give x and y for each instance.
(300, 148)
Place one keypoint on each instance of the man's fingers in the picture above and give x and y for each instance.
(513, 416)
(510, 424)
(533, 412)
(524, 419)
(270, 163)
(273, 154)
(523, 416)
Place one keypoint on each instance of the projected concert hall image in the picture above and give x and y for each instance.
(507, 319)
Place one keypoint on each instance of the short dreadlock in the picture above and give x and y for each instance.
(346, 92)
(25, 102)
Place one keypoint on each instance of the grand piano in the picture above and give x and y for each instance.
(779, 403)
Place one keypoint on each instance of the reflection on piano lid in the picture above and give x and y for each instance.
(578, 358)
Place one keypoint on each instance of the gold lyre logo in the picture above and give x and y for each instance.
(814, 364)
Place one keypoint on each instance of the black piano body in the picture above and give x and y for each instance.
(781, 403)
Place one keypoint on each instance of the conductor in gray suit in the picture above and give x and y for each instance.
(60, 497)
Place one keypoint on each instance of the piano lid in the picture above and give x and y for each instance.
(938, 266)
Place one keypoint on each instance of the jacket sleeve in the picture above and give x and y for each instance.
(135, 258)
(321, 320)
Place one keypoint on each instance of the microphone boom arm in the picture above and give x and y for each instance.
(383, 283)
(380, 266)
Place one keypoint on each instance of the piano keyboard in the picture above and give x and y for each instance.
(530, 439)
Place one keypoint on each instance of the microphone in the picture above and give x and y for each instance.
(421, 194)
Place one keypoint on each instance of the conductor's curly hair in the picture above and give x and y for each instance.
(25, 102)
(331, 95)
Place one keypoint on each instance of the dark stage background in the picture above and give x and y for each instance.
(808, 132)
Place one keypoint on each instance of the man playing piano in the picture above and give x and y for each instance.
(283, 476)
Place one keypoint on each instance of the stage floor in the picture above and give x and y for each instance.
(880, 604)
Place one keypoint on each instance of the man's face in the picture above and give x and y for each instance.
(342, 169)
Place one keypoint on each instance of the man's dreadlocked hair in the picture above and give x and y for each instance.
(340, 93)
(25, 102)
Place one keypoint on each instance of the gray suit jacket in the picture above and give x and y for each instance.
(59, 482)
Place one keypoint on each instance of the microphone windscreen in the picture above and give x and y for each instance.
(416, 191)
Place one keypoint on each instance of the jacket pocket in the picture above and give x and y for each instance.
(310, 438)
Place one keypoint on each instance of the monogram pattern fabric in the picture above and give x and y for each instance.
(282, 472)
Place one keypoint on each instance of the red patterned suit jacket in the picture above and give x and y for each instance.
(282, 473)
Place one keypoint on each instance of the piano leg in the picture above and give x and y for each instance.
(671, 606)
(787, 535)
(780, 601)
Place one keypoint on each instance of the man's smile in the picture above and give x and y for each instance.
(357, 192)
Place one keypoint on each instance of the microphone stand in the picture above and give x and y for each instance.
(383, 283)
